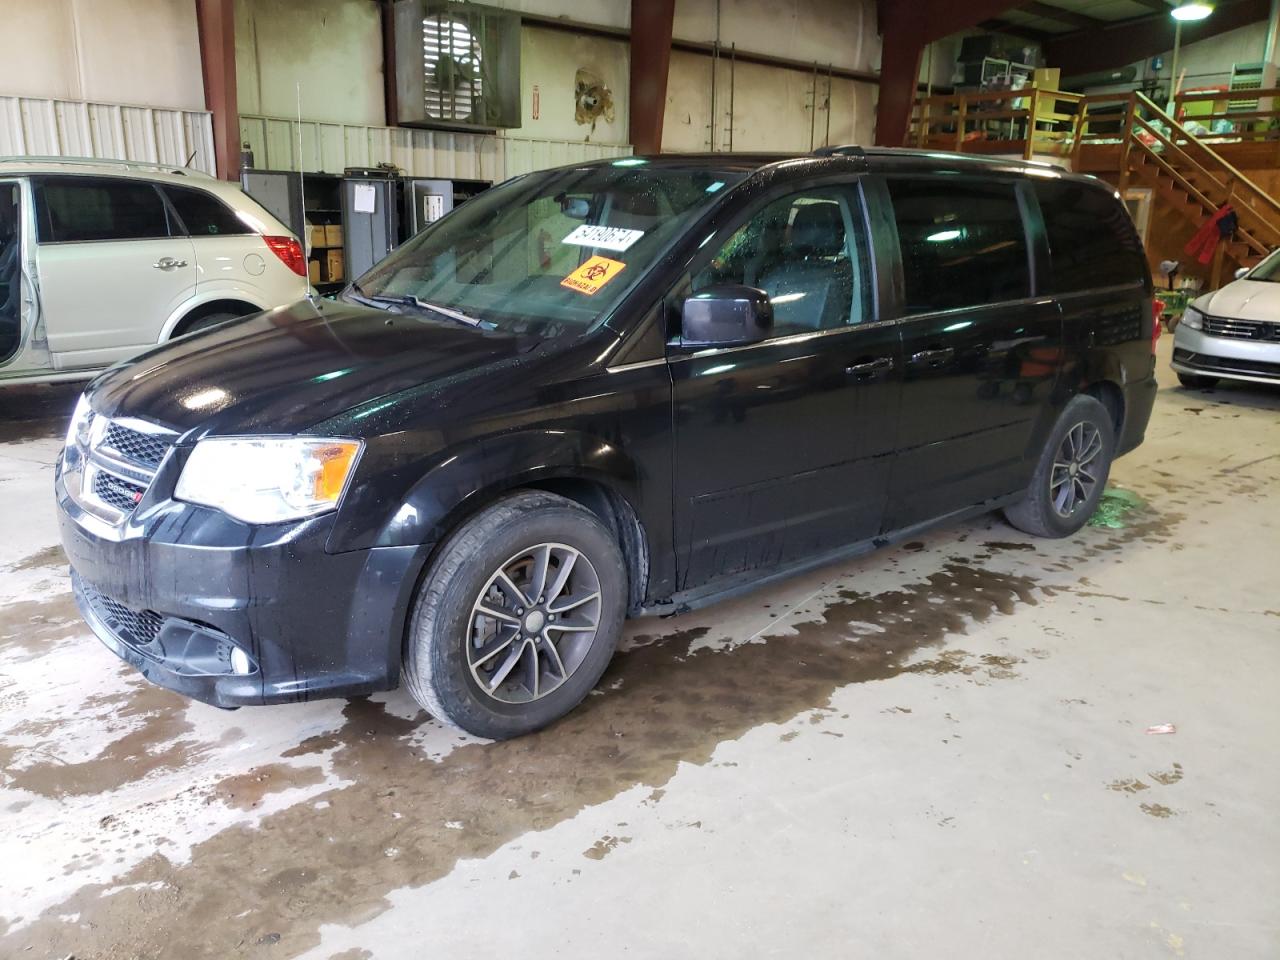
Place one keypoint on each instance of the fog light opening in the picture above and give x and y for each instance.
(240, 662)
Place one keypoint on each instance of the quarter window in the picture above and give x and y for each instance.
(963, 242)
(806, 253)
(98, 208)
(1092, 242)
(203, 214)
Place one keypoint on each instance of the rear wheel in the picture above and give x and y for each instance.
(1194, 381)
(517, 617)
(204, 321)
(1071, 473)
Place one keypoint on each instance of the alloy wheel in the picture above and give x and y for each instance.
(1074, 476)
(533, 623)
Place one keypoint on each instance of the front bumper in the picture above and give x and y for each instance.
(1196, 352)
(177, 589)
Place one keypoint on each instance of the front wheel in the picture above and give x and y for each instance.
(1071, 473)
(517, 617)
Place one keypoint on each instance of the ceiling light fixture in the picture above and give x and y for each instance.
(1187, 12)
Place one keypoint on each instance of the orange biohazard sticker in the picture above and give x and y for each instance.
(593, 275)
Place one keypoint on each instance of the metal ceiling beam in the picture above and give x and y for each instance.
(1157, 5)
(1115, 45)
(1069, 17)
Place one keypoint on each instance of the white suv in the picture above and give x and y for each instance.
(101, 259)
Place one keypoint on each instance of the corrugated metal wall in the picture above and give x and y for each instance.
(36, 126)
(331, 147)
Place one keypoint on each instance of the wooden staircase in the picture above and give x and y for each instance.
(1194, 180)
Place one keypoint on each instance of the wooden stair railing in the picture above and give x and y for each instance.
(1186, 170)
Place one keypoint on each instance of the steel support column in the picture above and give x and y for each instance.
(216, 23)
(650, 63)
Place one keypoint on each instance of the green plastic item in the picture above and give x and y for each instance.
(1114, 508)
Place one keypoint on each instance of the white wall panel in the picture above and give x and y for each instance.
(331, 147)
(118, 51)
(35, 126)
(333, 48)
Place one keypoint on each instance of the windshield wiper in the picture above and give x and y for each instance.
(409, 300)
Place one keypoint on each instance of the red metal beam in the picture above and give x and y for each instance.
(216, 24)
(905, 28)
(650, 63)
(1091, 50)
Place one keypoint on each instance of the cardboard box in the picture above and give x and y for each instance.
(333, 235)
(334, 266)
(317, 237)
(313, 271)
(1047, 78)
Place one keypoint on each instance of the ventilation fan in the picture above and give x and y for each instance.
(457, 65)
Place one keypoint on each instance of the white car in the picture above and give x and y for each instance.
(101, 259)
(1233, 333)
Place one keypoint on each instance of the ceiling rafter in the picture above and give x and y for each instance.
(1017, 30)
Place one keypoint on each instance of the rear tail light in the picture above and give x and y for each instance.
(290, 253)
(1157, 311)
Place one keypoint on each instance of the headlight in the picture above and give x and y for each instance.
(1193, 318)
(268, 479)
(78, 429)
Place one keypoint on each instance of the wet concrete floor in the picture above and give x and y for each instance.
(939, 747)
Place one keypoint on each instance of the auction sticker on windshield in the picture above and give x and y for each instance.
(606, 238)
(593, 275)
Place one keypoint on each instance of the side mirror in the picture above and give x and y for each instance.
(1241, 272)
(727, 314)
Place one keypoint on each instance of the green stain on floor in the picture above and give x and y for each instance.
(1114, 508)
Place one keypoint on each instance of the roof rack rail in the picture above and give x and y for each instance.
(108, 161)
(840, 150)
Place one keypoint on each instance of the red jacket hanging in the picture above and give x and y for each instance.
(1211, 231)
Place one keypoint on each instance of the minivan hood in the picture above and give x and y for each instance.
(1246, 300)
(291, 367)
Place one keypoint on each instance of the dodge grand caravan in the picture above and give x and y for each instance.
(613, 389)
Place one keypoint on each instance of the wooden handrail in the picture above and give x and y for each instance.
(1227, 95)
(1239, 177)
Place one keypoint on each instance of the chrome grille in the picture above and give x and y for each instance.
(120, 493)
(142, 448)
(1241, 329)
(109, 464)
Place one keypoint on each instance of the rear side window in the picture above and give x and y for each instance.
(98, 208)
(203, 214)
(1092, 242)
(963, 242)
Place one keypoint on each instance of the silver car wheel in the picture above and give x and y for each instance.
(533, 623)
(1075, 469)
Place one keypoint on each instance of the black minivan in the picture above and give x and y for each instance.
(612, 389)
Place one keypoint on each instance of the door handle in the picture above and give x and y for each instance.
(933, 358)
(869, 367)
(168, 263)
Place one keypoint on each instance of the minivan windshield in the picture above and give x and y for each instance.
(548, 253)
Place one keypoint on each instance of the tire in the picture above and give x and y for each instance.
(1193, 381)
(1083, 422)
(454, 653)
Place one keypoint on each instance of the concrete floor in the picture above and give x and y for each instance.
(942, 747)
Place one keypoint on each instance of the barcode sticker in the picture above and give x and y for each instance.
(606, 238)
